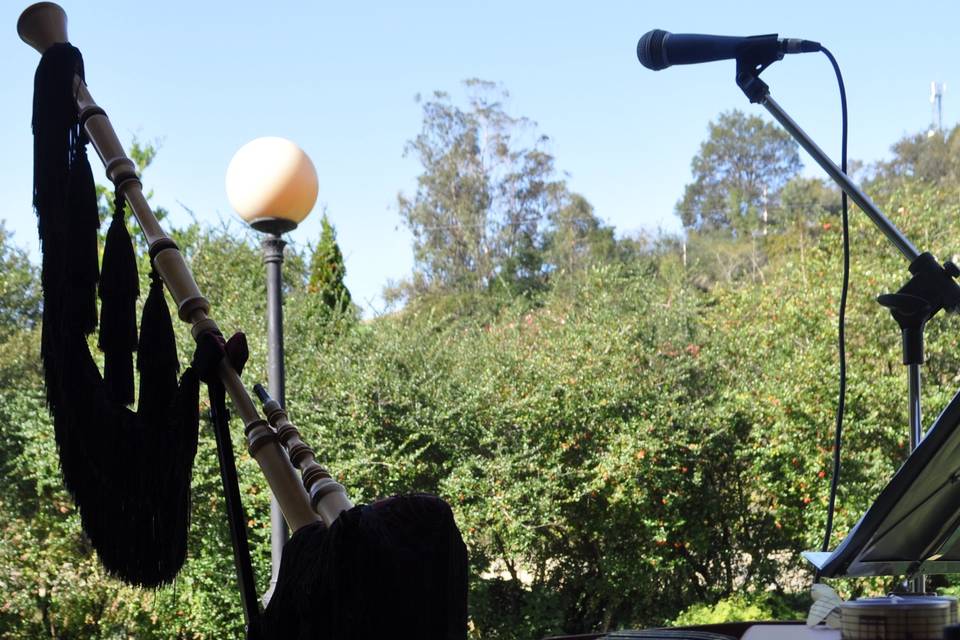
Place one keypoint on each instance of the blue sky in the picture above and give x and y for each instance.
(339, 79)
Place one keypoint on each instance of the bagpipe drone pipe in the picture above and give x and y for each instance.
(393, 568)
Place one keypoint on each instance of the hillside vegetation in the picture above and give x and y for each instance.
(625, 427)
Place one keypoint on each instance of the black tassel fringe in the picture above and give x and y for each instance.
(119, 290)
(157, 358)
(129, 473)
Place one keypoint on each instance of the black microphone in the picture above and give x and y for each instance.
(659, 49)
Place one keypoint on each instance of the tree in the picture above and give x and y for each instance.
(806, 200)
(327, 270)
(742, 166)
(933, 157)
(482, 197)
(577, 238)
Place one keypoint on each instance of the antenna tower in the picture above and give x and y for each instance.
(937, 89)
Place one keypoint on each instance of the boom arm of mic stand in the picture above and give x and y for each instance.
(863, 201)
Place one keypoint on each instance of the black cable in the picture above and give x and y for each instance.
(841, 345)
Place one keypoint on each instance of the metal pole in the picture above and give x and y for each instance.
(273, 246)
(916, 419)
(919, 582)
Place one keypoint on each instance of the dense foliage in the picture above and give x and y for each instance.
(634, 441)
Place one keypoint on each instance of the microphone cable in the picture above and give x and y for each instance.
(841, 333)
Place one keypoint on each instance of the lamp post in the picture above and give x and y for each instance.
(272, 185)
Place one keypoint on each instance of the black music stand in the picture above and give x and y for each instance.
(913, 527)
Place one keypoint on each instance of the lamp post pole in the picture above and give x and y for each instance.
(273, 246)
(273, 186)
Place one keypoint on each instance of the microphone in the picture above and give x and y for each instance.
(659, 49)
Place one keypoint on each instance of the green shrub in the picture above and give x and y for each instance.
(743, 608)
(618, 449)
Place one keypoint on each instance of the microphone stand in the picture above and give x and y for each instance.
(931, 286)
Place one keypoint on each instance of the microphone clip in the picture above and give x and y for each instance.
(752, 59)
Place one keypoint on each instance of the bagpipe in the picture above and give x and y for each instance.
(129, 471)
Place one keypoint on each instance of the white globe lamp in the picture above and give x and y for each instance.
(272, 184)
